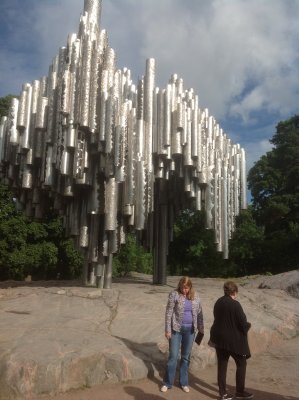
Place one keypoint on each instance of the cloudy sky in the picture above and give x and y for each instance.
(240, 56)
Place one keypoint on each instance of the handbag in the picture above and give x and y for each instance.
(198, 337)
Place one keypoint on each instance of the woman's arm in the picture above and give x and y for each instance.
(168, 314)
(242, 320)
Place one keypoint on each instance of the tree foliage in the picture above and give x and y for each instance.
(274, 179)
(5, 104)
(192, 251)
(274, 184)
(246, 245)
(132, 257)
(34, 248)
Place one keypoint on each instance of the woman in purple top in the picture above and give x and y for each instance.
(182, 318)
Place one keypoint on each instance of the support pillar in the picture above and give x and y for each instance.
(160, 233)
(108, 272)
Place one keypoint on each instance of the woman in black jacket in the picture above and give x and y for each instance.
(229, 337)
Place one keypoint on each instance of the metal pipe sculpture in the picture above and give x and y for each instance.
(112, 157)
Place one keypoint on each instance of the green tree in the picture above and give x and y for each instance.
(34, 248)
(5, 104)
(246, 245)
(193, 251)
(132, 257)
(7, 206)
(69, 259)
(274, 184)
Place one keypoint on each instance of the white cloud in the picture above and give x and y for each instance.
(255, 150)
(240, 56)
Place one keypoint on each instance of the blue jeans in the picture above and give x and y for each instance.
(183, 341)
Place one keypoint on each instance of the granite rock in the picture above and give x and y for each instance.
(56, 336)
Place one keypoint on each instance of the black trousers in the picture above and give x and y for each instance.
(222, 361)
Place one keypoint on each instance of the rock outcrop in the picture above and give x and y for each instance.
(288, 281)
(57, 336)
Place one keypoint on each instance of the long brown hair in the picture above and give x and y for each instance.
(186, 281)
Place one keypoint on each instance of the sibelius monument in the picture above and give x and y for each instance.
(113, 157)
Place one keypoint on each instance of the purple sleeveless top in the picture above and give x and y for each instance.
(187, 317)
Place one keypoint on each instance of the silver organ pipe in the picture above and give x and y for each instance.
(116, 156)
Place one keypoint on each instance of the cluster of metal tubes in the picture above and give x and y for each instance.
(113, 158)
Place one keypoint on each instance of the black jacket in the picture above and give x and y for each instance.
(230, 327)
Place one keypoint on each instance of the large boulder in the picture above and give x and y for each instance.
(56, 337)
(288, 281)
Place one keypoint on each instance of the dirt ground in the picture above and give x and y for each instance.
(272, 375)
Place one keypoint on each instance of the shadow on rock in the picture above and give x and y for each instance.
(262, 395)
(150, 355)
(203, 387)
(155, 362)
(139, 394)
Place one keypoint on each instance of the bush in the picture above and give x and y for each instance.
(132, 257)
(34, 248)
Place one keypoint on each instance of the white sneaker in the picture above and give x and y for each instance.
(164, 388)
(186, 389)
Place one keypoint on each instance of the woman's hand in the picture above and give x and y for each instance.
(168, 335)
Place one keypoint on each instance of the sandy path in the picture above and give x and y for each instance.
(272, 375)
